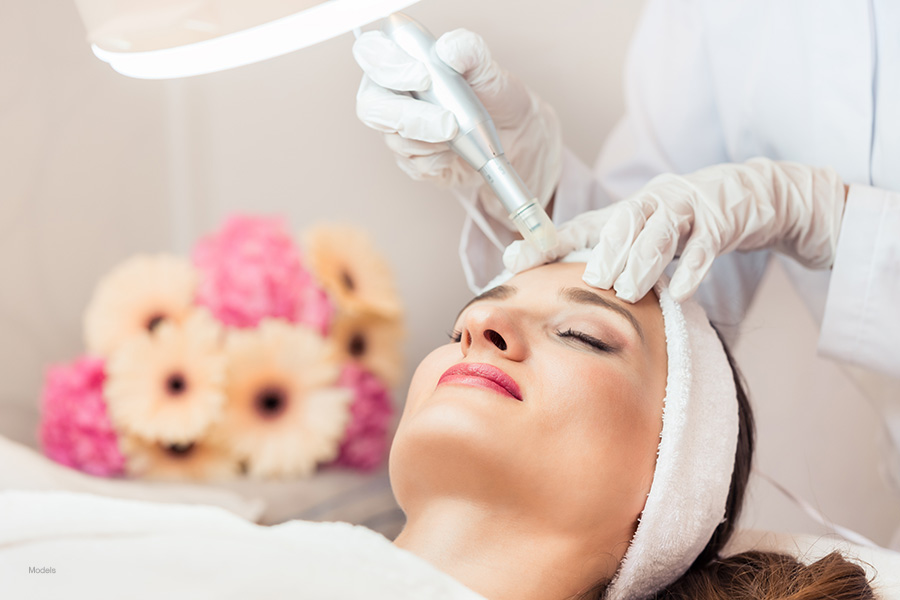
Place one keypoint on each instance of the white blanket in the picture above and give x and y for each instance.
(91, 547)
(72, 545)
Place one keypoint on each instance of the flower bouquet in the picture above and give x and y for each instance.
(253, 357)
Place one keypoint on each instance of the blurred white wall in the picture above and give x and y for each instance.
(95, 167)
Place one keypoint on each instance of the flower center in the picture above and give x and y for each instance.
(348, 281)
(154, 321)
(357, 345)
(180, 450)
(176, 384)
(271, 402)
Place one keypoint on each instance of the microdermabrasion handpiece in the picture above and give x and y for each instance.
(477, 141)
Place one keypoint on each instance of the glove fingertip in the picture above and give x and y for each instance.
(592, 280)
(693, 266)
(520, 256)
(449, 126)
(513, 257)
(388, 65)
(638, 278)
(462, 50)
(596, 276)
(423, 121)
(679, 293)
(684, 283)
(628, 292)
(600, 271)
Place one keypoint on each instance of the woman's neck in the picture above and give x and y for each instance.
(502, 557)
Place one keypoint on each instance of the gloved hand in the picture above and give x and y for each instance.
(788, 207)
(417, 131)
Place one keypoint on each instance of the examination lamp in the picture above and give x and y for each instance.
(164, 39)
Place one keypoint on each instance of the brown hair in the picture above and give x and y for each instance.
(756, 575)
(760, 575)
(771, 576)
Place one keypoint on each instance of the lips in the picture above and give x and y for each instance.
(482, 375)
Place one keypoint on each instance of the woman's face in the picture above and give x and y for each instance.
(546, 411)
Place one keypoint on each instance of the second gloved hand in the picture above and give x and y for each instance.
(418, 132)
(788, 207)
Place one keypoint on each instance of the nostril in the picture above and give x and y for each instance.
(495, 338)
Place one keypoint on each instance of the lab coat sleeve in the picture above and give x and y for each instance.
(861, 323)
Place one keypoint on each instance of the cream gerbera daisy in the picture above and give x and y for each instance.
(282, 416)
(166, 385)
(352, 271)
(372, 342)
(135, 297)
(202, 460)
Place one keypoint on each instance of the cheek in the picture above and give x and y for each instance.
(428, 373)
(421, 387)
(591, 392)
(604, 423)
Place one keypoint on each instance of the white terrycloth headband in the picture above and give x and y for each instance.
(696, 452)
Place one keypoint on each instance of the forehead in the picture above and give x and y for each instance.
(543, 283)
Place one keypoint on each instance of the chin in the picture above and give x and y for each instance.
(442, 449)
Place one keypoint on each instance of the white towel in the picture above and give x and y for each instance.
(695, 459)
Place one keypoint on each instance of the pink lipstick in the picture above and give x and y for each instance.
(482, 375)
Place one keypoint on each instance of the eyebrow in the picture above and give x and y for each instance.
(571, 294)
(583, 296)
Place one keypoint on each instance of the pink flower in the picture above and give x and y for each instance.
(318, 311)
(365, 440)
(252, 269)
(75, 430)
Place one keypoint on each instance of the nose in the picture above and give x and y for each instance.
(492, 329)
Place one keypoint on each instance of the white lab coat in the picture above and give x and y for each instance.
(810, 81)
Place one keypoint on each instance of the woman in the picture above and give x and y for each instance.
(534, 478)
(528, 446)
(563, 445)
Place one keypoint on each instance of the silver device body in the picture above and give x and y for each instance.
(477, 141)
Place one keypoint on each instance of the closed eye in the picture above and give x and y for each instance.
(455, 336)
(587, 339)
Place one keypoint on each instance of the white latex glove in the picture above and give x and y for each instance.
(788, 207)
(418, 131)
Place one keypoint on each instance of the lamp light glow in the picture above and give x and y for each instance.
(260, 42)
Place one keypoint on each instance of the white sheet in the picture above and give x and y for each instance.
(100, 548)
(104, 548)
(22, 468)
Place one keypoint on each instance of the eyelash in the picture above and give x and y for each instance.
(456, 337)
(587, 339)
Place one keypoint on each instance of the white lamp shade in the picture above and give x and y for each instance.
(162, 39)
